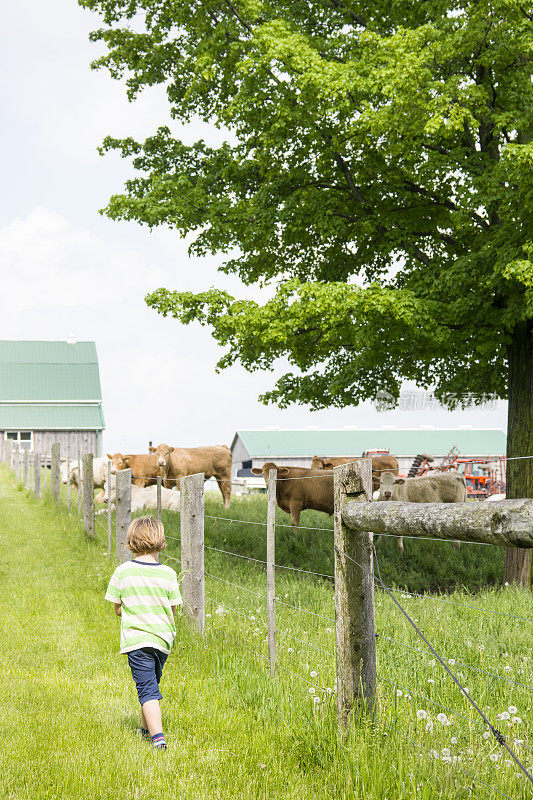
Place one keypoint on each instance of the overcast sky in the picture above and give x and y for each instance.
(68, 270)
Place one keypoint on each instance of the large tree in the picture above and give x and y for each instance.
(377, 173)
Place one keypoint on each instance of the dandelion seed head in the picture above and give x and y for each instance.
(442, 718)
(421, 714)
(517, 720)
(512, 710)
(312, 690)
(313, 673)
(399, 693)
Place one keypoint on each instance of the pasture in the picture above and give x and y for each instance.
(70, 708)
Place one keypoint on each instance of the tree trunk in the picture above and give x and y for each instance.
(518, 563)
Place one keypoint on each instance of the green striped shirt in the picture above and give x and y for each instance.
(147, 591)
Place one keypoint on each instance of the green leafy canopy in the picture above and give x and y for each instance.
(378, 175)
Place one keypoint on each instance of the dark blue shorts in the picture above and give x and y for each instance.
(146, 666)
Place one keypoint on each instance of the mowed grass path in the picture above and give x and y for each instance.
(70, 708)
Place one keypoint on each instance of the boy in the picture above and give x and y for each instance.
(145, 594)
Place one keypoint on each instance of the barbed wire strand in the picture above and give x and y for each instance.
(236, 611)
(237, 555)
(306, 644)
(304, 610)
(458, 663)
(439, 599)
(237, 586)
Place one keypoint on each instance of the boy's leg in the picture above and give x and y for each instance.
(151, 712)
(146, 665)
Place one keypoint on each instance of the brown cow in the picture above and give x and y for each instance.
(379, 465)
(177, 462)
(144, 469)
(298, 488)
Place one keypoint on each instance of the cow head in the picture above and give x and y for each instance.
(118, 462)
(162, 452)
(387, 482)
(317, 462)
(283, 472)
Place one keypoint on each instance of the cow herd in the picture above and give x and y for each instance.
(297, 488)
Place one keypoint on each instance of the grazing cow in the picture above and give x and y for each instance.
(379, 464)
(99, 472)
(437, 487)
(144, 469)
(177, 462)
(298, 488)
(145, 497)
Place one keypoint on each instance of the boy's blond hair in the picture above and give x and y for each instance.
(146, 535)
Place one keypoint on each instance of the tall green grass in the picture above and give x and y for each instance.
(233, 730)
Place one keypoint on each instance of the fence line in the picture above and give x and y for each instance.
(193, 547)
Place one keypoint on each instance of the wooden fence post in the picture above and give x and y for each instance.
(355, 627)
(80, 491)
(192, 548)
(271, 568)
(26, 468)
(109, 518)
(54, 472)
(9, 454)
(68, 484)
(123, 513)
(37, 475)
(158, 503)
(45, 474)
(88, 495)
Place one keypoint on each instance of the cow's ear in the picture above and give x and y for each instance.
(151, 449)
(399, 480)
(170, 449)
(257, 471)
(283, 471)
(327, 464)
(110, 457)
(127, 460)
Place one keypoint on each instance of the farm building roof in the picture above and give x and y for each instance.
(400, 441)
(50, 386)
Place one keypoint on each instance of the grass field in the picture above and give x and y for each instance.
(70, 707)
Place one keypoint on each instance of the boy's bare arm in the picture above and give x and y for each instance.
(118, 609)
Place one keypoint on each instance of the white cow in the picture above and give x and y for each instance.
(437, 487)
(494, 498)
(145, 497)
(99, 472)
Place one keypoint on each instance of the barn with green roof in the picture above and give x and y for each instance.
(50, 392)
